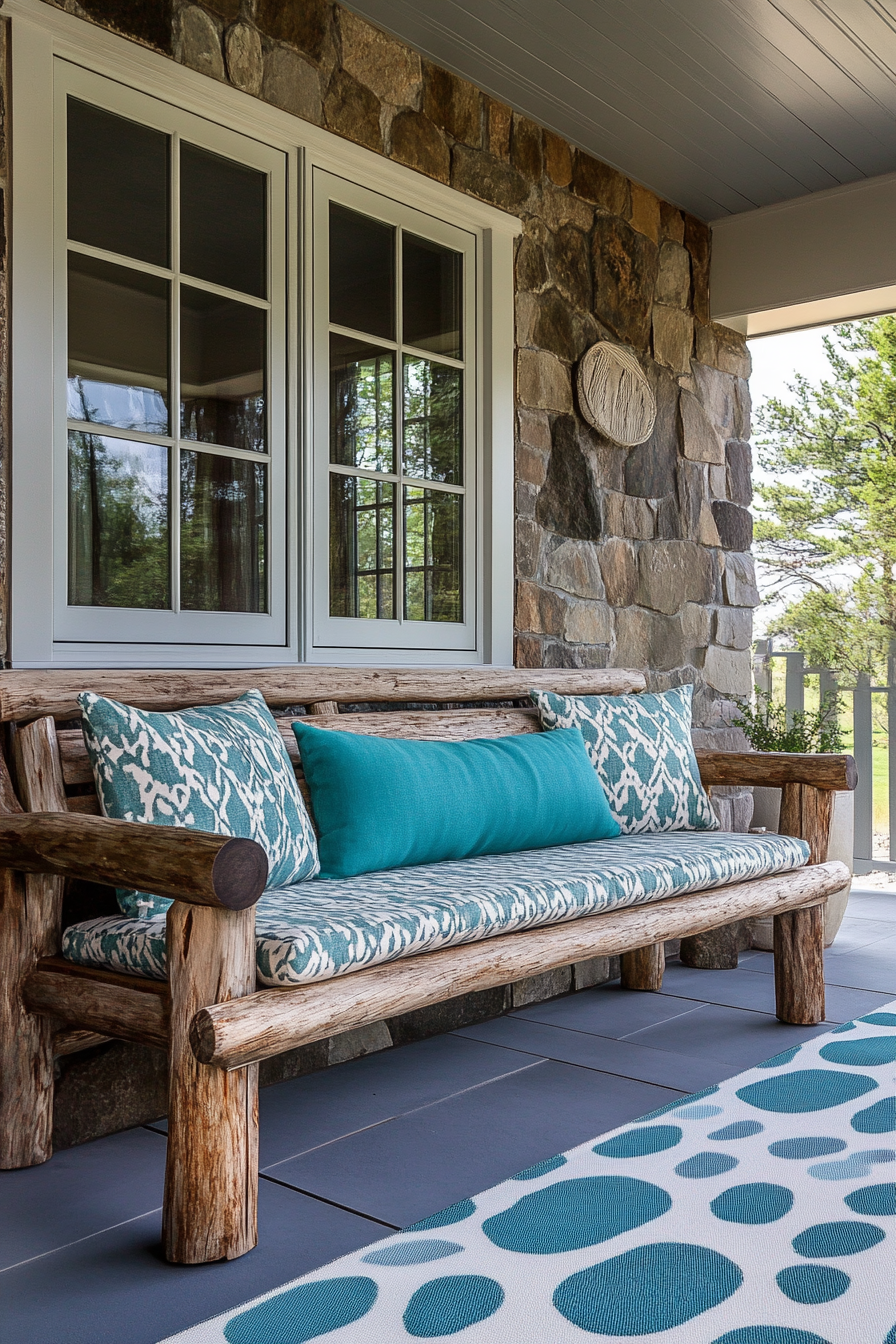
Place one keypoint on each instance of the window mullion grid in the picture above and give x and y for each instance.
(398, 556)
(175, 397)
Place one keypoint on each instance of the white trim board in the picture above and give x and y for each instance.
(824, 257)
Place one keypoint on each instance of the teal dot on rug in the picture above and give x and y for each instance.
(639, 1142)
(829, 1239)
(701, 1165)
(810, 1146)
(877, 1200)
(844, 1026)
(770, 1334)
(877, 1119)
(445, 1306)
(698, 1112)
(412, 1252)
(741, 1129)
(647, 1290)
(891, 1337)
(682, 1101)
(851, 1168)
(805, 1090)
(540, 1168)
(303, 1313)
(455, 1213)
(812, 1284)
(758, 1202)
(784, 1058)
(869, 1052)
(881, 1019)
(568, 1215)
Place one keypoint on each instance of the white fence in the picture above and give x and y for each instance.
(861, 699)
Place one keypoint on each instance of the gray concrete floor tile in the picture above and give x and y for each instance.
(867, 968)
(305, 1112)
(732, 1036)
(413, 1166)
(756, 992)
(607, 1010)
(624, 1058)
(115, 1288)
(80, 1191)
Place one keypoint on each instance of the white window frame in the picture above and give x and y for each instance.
(335, 634)
(40, 36)
(82, 625)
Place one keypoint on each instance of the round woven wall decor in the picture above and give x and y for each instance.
(614, 394)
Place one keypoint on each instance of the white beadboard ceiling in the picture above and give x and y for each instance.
(718, 105)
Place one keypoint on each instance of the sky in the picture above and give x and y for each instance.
(776, 359)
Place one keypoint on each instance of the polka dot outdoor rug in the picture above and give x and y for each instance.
(761, 1211)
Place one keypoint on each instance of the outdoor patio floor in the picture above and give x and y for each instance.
(353, 1152)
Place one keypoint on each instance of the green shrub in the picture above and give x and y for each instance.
(765, 725)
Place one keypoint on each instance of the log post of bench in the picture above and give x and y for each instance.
(211, 1172)
(30, 928)
(806, 812)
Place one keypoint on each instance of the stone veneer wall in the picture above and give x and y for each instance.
(623, 557)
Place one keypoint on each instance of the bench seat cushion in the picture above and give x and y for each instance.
(319, 929)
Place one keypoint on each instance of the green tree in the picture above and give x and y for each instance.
(826, 527)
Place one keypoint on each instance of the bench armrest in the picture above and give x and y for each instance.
(192, 866)
(774, 768)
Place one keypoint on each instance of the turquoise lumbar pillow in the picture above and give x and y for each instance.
(221, 768)
(640, 746)
(382, 803)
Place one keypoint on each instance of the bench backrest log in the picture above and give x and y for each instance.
(445, 703)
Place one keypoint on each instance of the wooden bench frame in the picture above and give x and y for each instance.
(209, 1016)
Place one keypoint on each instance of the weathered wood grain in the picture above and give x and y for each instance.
(211, 1173)
(191, 866)
(273, 1020)
(808, 812)
(27, 694)
(777, 767)
(71, 1040)
(799, 966)
(643, 967)
(30, 928)
(124, 1006)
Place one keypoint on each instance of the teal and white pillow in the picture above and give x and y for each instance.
(640, 746)
(220, 768)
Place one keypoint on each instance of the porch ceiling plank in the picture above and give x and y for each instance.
(122, 1006)
(233, 1034)
(26, 694)
(716, 105)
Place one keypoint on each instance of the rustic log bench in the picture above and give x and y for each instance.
(209, 1016)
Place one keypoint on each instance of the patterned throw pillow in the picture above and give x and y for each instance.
(221, 768)
(640, 746)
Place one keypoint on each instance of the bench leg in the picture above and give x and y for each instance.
(643, 968)
(26, 1039)
(799, 966)
(211, 1175)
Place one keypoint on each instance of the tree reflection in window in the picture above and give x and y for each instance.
(118, 522)
(432, 543)
(362, 560)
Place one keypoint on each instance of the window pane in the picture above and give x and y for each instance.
(117, 346)
(222, 354)
(362, 405)
(118, 523)
(223, 542)
(117, 184)
(432, 566)
(222, 221)
(362, 273)
(361, 547)
(432, 421)
(431, 303)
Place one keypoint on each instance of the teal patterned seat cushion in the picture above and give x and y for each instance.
(221, 768)
(641, 748)
(316, 930)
